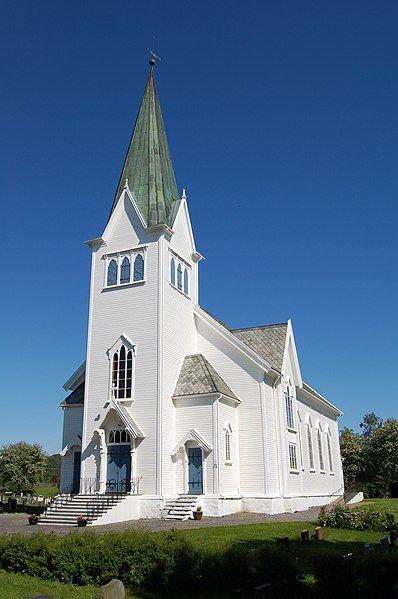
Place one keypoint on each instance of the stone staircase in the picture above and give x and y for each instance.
(180, 508)
(65, 509)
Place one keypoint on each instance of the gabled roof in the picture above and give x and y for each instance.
(198, 377)
(148, 167)
(76, 397)
(267, 341)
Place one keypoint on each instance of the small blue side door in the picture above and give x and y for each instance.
(195, 468)
(119, 469)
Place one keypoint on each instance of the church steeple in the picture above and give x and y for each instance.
(148, 168)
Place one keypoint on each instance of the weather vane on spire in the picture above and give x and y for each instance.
(154, 57)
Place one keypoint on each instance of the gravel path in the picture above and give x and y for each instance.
(18, 523)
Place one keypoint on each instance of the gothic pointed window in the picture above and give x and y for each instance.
(329, 443)
(320, 450)
(172, 271)
(122, 373)
(179, 277)
(310, 447)
(139, 268)
(125, 271)
(289, 409)
(112, 273)
(186, 281)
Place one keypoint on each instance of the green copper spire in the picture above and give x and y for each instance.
(148, 167)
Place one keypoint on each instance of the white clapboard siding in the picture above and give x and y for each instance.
(244, 380)
(131, 310)
(72, 426)
(229, 472)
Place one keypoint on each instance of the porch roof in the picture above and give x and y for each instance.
(198, 377)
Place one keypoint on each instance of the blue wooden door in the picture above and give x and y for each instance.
(77, 457)
(195, 468)
(118, 479)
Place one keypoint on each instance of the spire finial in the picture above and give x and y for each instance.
(153, 58)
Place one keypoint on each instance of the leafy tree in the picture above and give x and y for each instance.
(370, 422)
(382, 458)
(53, 469)
(352, 453)
(22, 465)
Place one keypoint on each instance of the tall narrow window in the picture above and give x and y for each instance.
(112, 273)
(289, 409)
(228, 446)
(172, 271)
(293, 456)
(129, 373)
(179, 277)
(115, 372)
(299, 431)
(310, 449)
(139, 268)
(125, 271)
(186, 281)
(320, 450)
(122, 373)
(329, 452)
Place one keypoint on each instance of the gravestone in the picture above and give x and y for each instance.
(283, 541)
(319, 533)
(263, 591)
(393, 538)
(384, 543)
(305, 536)
(113, 590)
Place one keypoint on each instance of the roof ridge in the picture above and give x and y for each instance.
(261, 326)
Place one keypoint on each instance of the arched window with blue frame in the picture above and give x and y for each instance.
(139, 268)
(112, 273)
(179, 277)
(125, 271)
(172, 271)
(186, 281)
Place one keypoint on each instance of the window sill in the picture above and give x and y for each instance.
(312, 470)
(228, 463)
(292, 471)
(322, 472)
(291, 430)
(331, 473)
(121, 285)
(179, 290)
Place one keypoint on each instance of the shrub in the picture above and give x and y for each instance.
(152, 562)
(342, 517)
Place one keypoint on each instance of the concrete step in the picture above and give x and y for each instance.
(181, 518)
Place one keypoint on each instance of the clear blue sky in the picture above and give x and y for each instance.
(282, 122)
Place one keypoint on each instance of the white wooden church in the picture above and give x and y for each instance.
(172, 408)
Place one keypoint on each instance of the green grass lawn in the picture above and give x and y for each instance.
(335, 539)
(46, 489)
(382, 505)
(19, 586)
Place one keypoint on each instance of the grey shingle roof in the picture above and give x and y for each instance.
(267, 341)
(77, 395)
(198, 377)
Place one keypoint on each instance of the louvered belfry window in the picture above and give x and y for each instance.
(122, 373)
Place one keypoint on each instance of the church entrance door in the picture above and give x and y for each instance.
(76, 471)
(118, 477)
(195, 470)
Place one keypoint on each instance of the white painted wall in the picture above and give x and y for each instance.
(72, 426)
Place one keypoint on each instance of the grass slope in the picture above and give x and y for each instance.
(19, 586)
